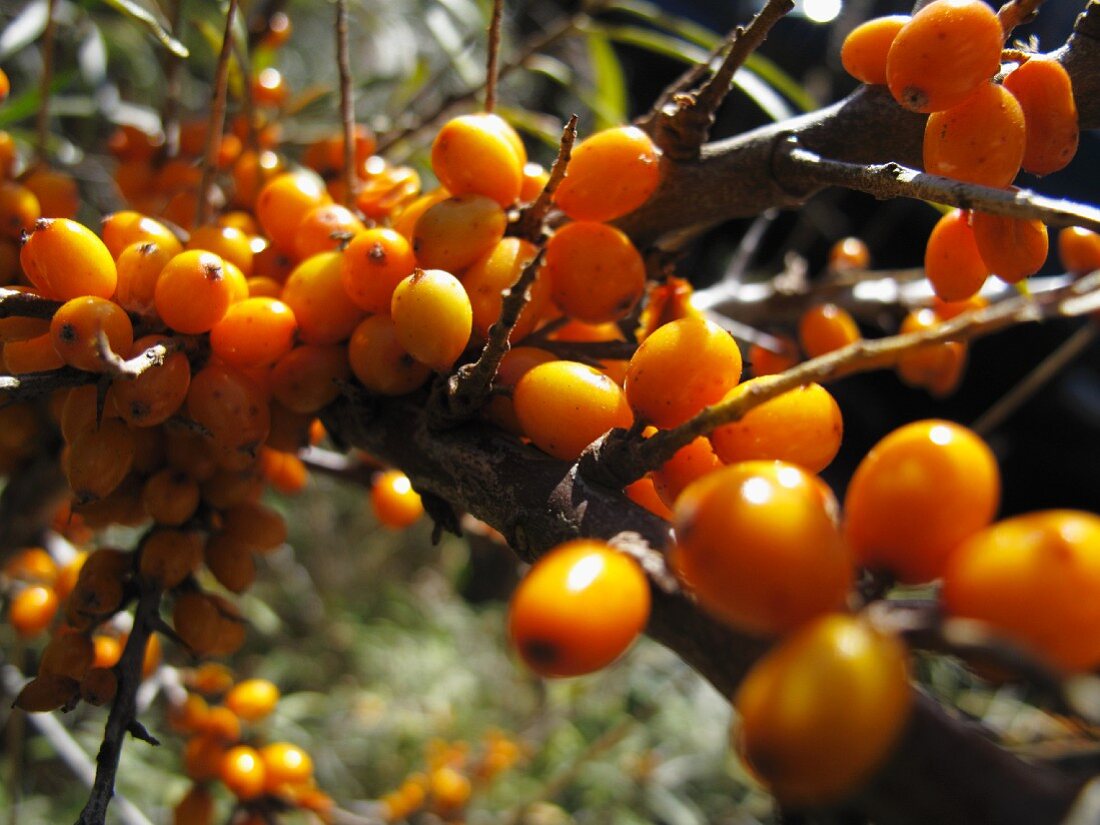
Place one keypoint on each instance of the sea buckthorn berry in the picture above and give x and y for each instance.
(35, 354)
(766, 361)
(7, 154)
(250, 172)
(16, 328)
(513, 366)
(260, 527)
(1012, 248)
(497, 270)
(535, 178)
(479, 154)
(432, 317)
(326, 156)
(952, 262)
(255, 332)
(564, 406)
(232, 409)
(19, 209)
(643, 493)
(406, 218)
(242, 771)
(269, 87)
(940, 57)
(1079, 250)
(252, 699)
(849, 255)
(98, 460)
(1036, 579)
(936, 367)
(611, 173)
(324, 228)
(125, 228)
(450, 789)
(394, 501)
(47, 692)
(32, 609)
(578, 609)
(76, 326)
(57, 193)
(155, 395)
(202, 757)
(863, 53)
(228, 243)
(5, 86)
(195, 289)
(198, 621)
(596, 273)
(307, 378)
(1045, 93)
(384, 190)
(694, 460)
(99, 686)
(821, 711)
(681, 368)
(373, 264)
(284, 201)
(230, 561)
(139, 266)
(170, 556)
(742, 530)
(33, 564)
(315, 293)
(286, 765)
(108, 650)
(285, 472)
(946, 310)
(802, 426)
(170, 496)
(824, 328)
(67, 654)
(917, 495)
(67, 260)
(195, 808)
(981, 140)
(455, 232)
(664, 303)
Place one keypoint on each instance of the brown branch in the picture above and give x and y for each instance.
(17, 304)
(892, 180)
(36, 384)
(115, 366)
(1017, 12)
(531, 223)
(682, 126)
(618, 459)
(493, 58)
(347, 102)
(216, 123)
(42, 119)
(173, 87)
(121, 719)
(339, 466)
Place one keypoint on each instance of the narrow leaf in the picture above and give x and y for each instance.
(140, 14)
(607, 99)
(24, 29)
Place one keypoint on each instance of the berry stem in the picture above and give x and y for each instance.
(530, 224)
(117, 367)
(347, 101)
(1015, 12)
(493, 56)
(216, 124)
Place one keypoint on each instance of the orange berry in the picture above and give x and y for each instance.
(242, 771)
(139, 266)
(453, 233)
(936, 367)
(498, 270)
(260, 527)
(1035, 579)
(67, 260)
(32, 609)
(99, 686)
(255, 332)
(1044, 91)
(595, 272)
(158, 393)
(252, 699)
(33, 564)
(863, 53)
(373, 264)
(285, 472)
(513, 366)
(57, 193)
(405, 218)
(269, 88)
(19, 209)
(285, 765)
(108, 650)
(756, 544)
(611, 173)
(1012, 248)
(563, 406)
(227, 242)
(284, 201)
(824, 328)
(848, 255)
(479, 154)
(692, 461)
(535, 178)
(952, 262)
(943, 54)
(231, 408)
(195, 289)
(394, 501)
(980, 140)
(578, 609)
(47, 692)
(35, 354)
(99, 459)
(324, 228)
(170, 556)
(67, 654)
(379, 361)
(315, 293)
(170, 496)
(917, 495)
(385, 189)
(16, 328)
(195, 808)
(802, 426)
(76, 326)
(229, 560)
(432, 317)
(823, 710)
(308, 378)
(681, 368)
(643, 493)
(765, 361)
(1079, 250)
(122, 229)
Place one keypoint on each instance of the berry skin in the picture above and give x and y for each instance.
(1045, 93)
(940, 57)
(394, 501)
(611, 173)
(139, 266)
(681, 368)
(820, 712)
(318, 225)
(255, 332)
(952, 262)
(695, 460)
(578, 609)
(936, 367)
(32, 609)
(802, 426)
(67, 260)
(98, 460)
(285, 765)
(1012, 248)
(849, 255)
(824, 328)
(1036, 579)
(155, 395)
(863, 53)
(242, 771)
(19, 209)
(517, 362)
(75, 328)
(1079, 250)
(195, 289)
(252, 699)
(373, 264)
(228, 242)
(284, 201)
(758, 547)
(917, 495)
(315, 293)
(595, 272)
(981, 140)
(231, 408)
(496, 271)
(479, 154)
(432, 317)
(379, 361)
(307, 378)
(564, 406)
(453, 233)
(765, 361)
(121, 229)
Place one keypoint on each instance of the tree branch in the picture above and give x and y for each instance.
(216, 123)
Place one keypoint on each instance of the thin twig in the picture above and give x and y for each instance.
(1044, 371)
(36, 384)
(216, 124)
(17, 304)
(532, 218)
(336, 465)
(173, 87)
(42, 121)
(616, 460)
(347, 101)
(892, 180)
(1015, 12)
(123, 709)
(117, 367)
(494, 55)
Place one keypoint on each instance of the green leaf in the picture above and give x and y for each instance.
(545, 128)
(778, 79)
(26, 105)
(607, 99)
(24, 28)
(661, 19)
(656, 42)
(140, 14)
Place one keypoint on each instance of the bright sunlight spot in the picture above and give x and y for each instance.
(821, 11)
(584, 572)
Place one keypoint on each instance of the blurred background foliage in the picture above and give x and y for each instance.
(383, 643)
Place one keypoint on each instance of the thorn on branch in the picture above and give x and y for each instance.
(114, 366)
(532, 218)
(442, 514)
(139, 731)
